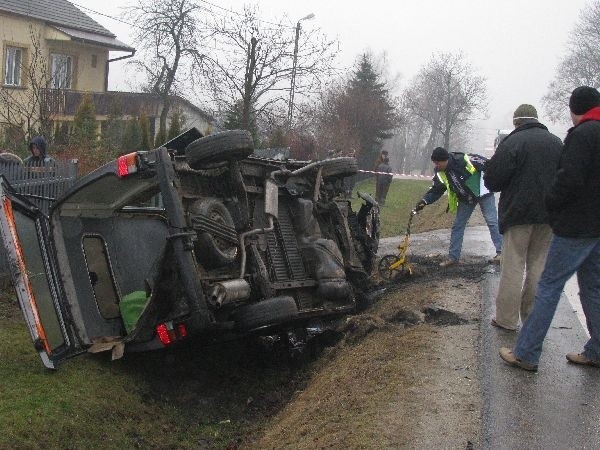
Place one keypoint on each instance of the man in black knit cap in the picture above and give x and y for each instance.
(459, 174)
(574, 207)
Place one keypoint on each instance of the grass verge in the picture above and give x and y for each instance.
(401, 199)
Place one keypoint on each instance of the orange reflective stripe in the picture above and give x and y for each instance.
(21, 262)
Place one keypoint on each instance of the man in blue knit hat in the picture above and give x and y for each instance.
(574, 207)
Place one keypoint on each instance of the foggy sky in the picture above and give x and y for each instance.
(515, 45)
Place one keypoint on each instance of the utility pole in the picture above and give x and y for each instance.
(294, 65)
(248, 82)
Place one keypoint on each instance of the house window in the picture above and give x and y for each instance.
(94, 61)
(14, 60)
(62, 67)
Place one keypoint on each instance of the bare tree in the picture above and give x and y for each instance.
(252, 68)
(32, 108)
(580, 65)
(446, 94)
(168, 37)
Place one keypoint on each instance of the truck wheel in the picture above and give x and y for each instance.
(231, 145)
(271, 311)
(343, 166)
(213, 251)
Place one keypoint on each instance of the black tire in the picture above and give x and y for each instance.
(344, 166)
(231, 145)
(212, 251)
(271, 311)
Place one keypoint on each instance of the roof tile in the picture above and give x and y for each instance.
(56, 12)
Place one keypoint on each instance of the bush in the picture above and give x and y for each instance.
(84, 124)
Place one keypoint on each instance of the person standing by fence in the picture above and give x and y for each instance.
(38, 167)
(38, 157)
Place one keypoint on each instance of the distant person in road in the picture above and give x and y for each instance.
(383, 181)
(38, 157)
(460, 175)
(574, 207)
(522, 170)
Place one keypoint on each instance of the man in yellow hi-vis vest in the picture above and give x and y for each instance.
(459, 174)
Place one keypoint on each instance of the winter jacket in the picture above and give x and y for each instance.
(383, 180)
(574, 198)
(43, 159)
(523, 169)
(458, 175)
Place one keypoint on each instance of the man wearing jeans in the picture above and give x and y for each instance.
(574, 206)
(460, 175)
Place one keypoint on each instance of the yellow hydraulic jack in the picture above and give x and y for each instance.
(398, 263)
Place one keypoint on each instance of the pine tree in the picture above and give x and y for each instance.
(132, 138)
(176, 124)
(160, 139)
(146, 142)
(61, 134)
(233, 121)
(114, 130)
(84, 124)
(369, 109)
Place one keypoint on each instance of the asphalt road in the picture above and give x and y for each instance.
(559, 406)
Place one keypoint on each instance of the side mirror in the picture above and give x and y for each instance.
(271, 198)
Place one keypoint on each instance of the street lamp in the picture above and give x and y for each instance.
(293, 86)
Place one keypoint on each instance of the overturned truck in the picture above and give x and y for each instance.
(196, 238)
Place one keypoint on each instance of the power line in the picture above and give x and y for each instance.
(241, 15)
(105, 15)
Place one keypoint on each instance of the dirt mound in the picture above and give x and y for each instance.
(404, 373)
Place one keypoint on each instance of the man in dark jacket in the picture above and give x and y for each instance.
(383, 181)
(460, 175)
(38, 157)
(522, 169)
(574, 206)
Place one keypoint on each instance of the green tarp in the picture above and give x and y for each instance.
(131, 307)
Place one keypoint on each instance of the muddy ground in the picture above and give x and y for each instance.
(403, 374)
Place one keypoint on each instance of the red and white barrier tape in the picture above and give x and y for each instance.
(394, 173)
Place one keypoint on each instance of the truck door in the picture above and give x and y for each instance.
(26, 239)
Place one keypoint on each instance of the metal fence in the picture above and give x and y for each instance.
(41, 184)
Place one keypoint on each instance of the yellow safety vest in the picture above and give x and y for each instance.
(452, 197)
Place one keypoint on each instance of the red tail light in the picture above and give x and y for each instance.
(167, 333)
(127, 164)
(163, 334)
(182, 330)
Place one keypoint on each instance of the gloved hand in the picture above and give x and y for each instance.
(420, 205)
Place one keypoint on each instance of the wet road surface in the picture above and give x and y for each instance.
(557, 407)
